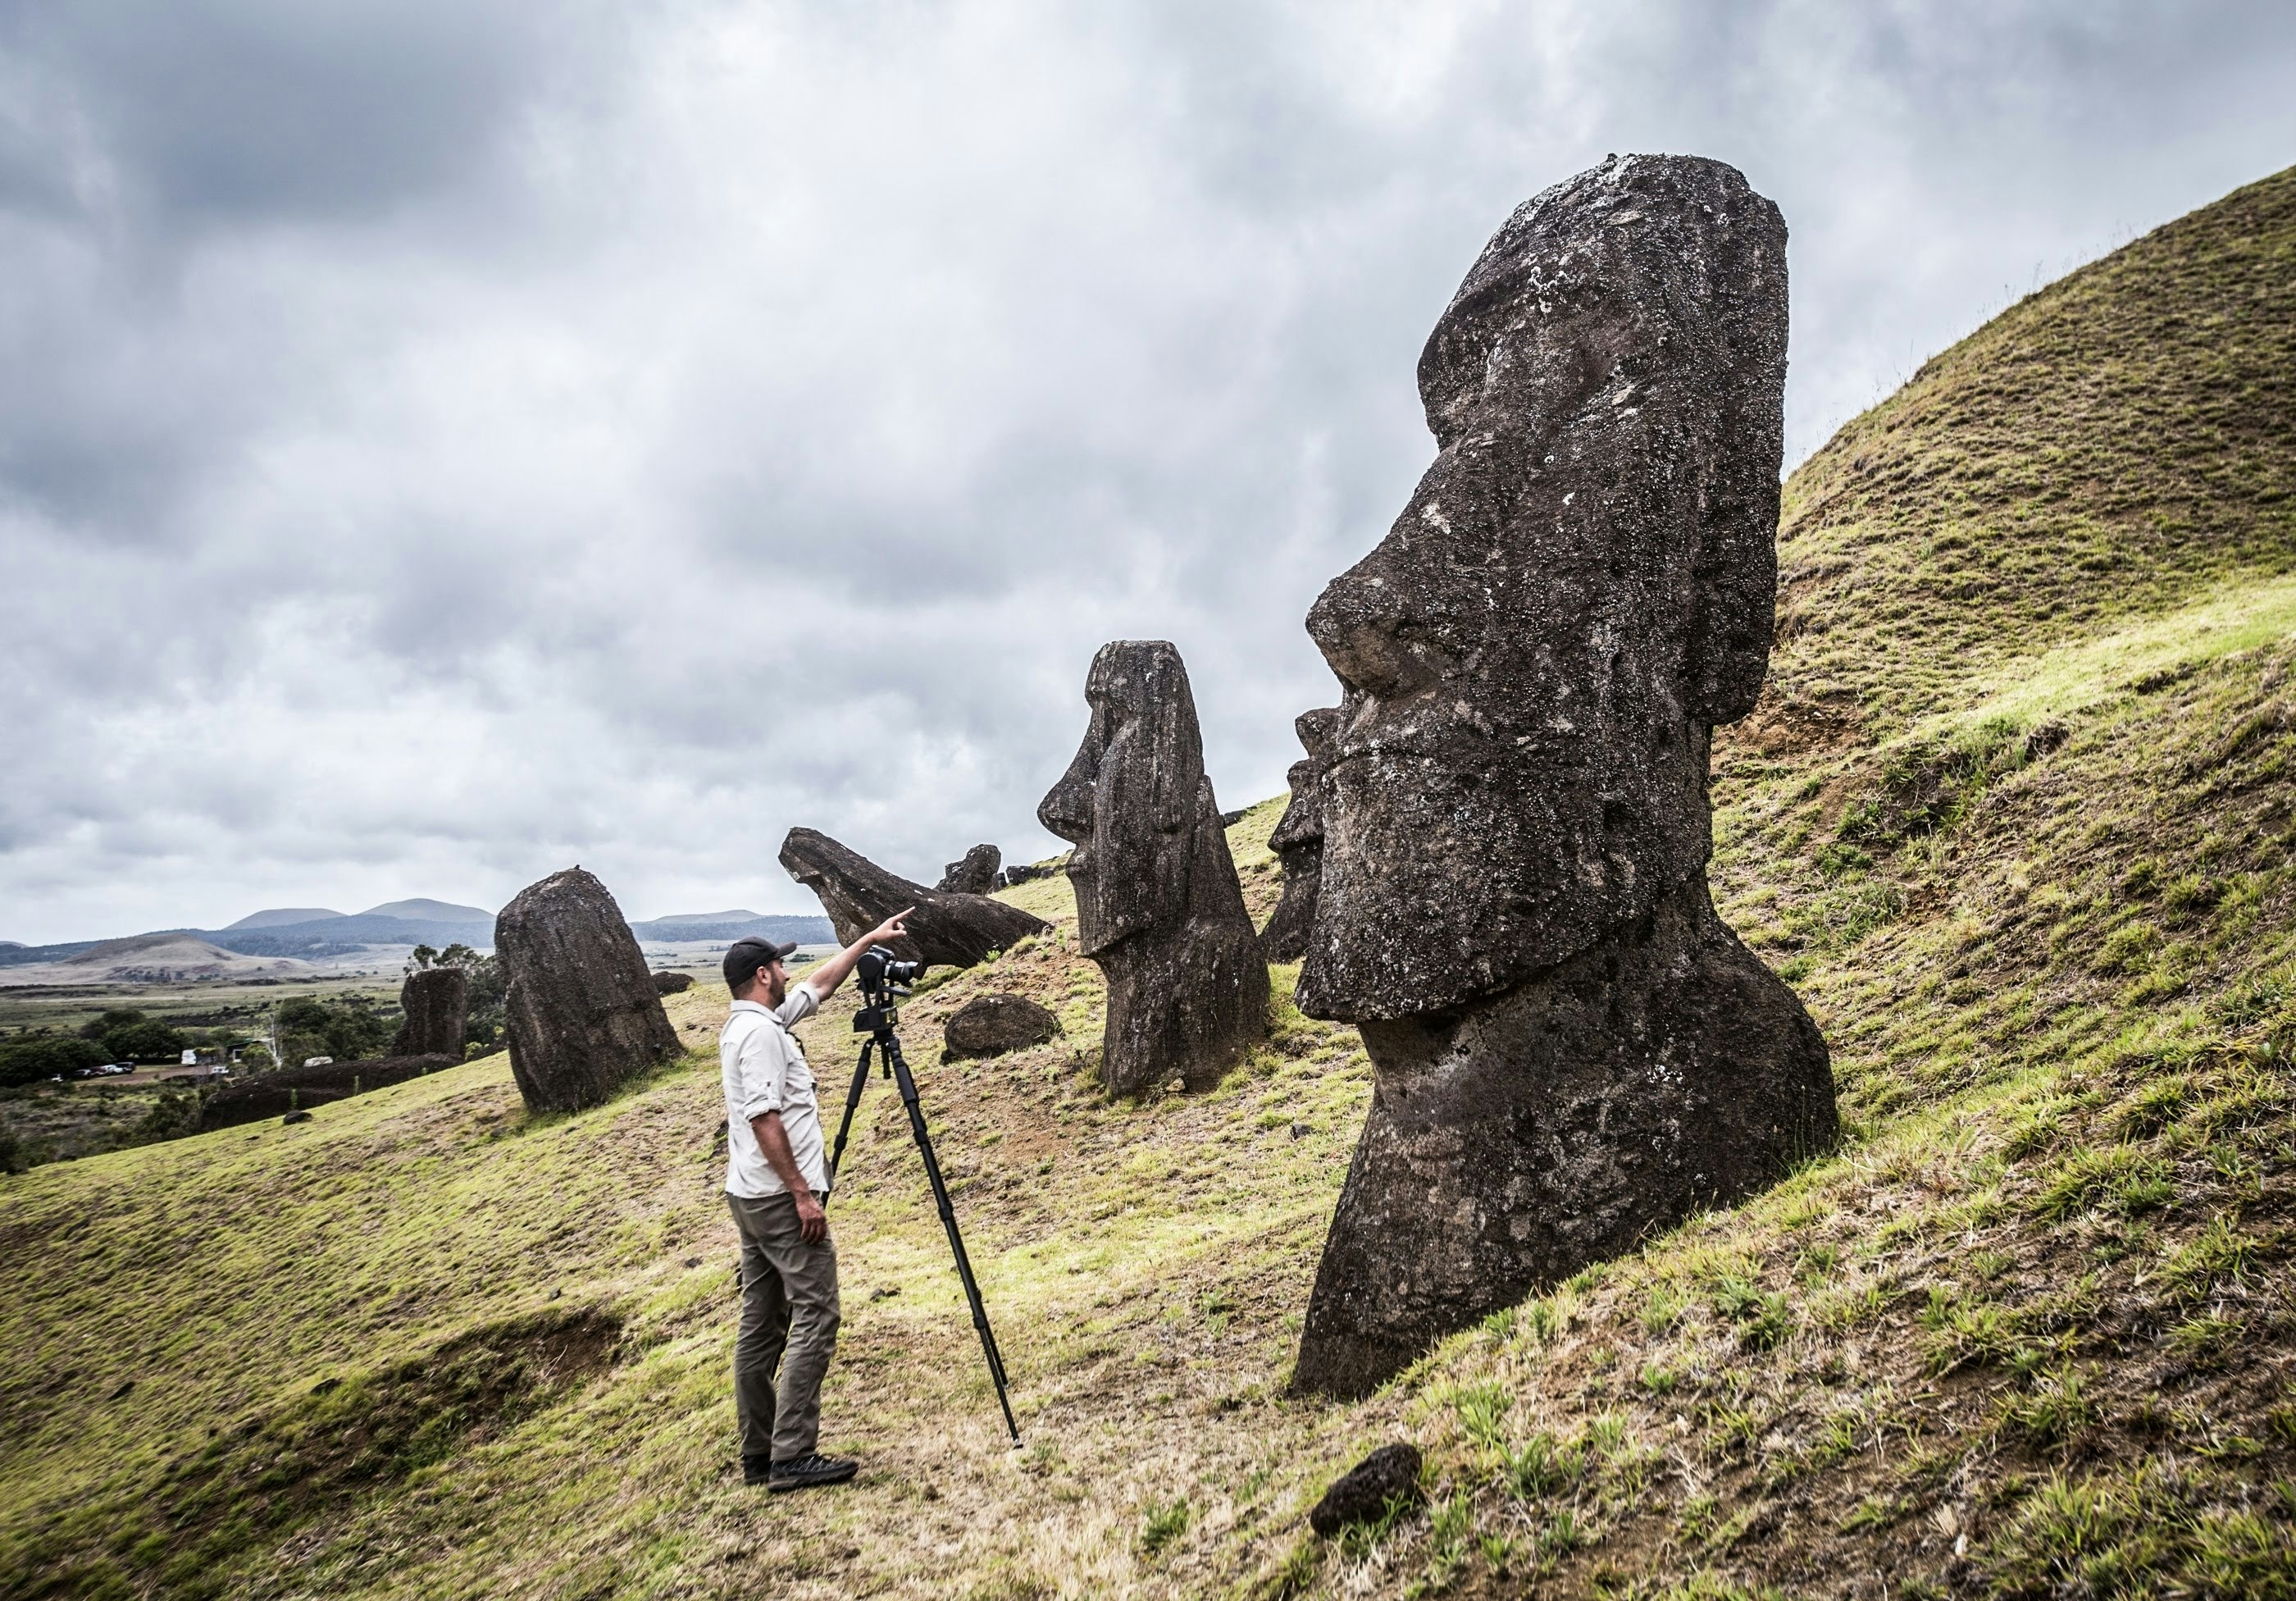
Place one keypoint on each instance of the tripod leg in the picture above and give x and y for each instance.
(852, 1101)
(909, 1087)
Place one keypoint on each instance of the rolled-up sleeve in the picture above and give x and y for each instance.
(764, 1073)
(802, 1003)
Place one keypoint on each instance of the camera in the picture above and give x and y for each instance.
(878, 971)
(881, 979)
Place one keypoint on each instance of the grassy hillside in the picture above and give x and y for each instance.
(2014, 816)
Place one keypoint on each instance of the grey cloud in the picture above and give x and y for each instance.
(425, 417)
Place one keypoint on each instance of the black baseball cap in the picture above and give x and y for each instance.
(744, 957)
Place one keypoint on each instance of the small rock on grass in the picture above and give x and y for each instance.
(1361, 1494)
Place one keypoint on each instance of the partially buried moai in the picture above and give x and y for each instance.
(1298, 840)
(436, 1005)
(1158, 906)
(1569, 1049)
(582, 1012)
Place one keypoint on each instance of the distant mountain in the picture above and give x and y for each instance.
(286, 914)
(170, 957)
(429, 911)
(805, 931)
(732, 916)
(11, 945)
(333, 936)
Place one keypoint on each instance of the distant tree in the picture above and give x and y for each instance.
(423, 957)
(29, 1058)
(149, 1040)
(346, 1030)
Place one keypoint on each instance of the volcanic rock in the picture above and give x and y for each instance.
(976, 875)
(672, 983)
(1361, 1495)
(995, 1024)
(1159, 906)
(1569, 1050)
(581, 1008)
(1298, 840)
(946, 929)
(437, 1002)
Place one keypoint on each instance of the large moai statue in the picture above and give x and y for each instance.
(1298, 839)
(1569, 1050)
(952, 930)
(581, 1008)
(1159, 906)
(437, 1003)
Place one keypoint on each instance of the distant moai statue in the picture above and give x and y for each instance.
(582, 1014)
(1298, 840)
(437, 1003)
(946, 928)
(1159, 906)
(974, 874)
(1569, 1049)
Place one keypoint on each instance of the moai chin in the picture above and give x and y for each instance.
(1569, 1050)
(1298, 840)
(1158, 906)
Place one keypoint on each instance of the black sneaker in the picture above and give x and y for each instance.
(803, 1472)
(756, 1470)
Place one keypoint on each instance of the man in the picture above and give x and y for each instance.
(777, 1178)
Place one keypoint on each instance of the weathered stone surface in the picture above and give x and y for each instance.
(582, 1012)
(1158, 906)
(1298, 840)
(1361, 1494)
(1569, 1050)
(976, 875)
(672, 983)
(994, 1024)
(437, 1002)
(954, 929)
(1021, 873)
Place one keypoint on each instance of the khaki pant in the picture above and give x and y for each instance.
(790, 1316)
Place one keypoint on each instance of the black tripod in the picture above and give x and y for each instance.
(878, 974)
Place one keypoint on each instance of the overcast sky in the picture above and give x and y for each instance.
(445, 441)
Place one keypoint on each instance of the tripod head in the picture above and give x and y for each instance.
(881, 978)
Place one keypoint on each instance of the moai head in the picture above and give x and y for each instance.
(1128, 802)
(1299, 830)
(1580, 588)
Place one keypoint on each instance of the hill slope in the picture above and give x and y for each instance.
(2015, 817)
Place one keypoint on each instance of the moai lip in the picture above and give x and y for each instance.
(1569, 1049)
(1158, 906)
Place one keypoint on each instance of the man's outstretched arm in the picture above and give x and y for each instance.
(824, 980)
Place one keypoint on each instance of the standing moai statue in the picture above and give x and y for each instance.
(582, 1014)
(974, 874)
(1159, 906)
(1569, 1050)
(1298, 840)
(437, 1002)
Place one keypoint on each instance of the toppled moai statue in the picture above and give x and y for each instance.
(953, 930)
(1298, 840)
(437, 1002)
(1569, 1049)
(993, 1024)
(672, 983)
(1158, 906)
(582, 1014)
(976, 875)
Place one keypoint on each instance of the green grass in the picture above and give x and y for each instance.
(2014, 816)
